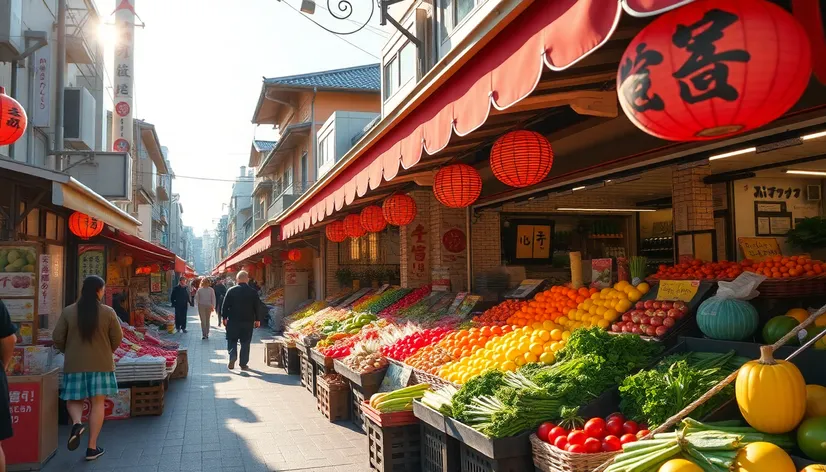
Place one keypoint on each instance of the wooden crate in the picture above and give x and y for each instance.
(440, 452)
(357, 396)
(147, 401)
(182, 369)
(272, 353)
(394, 448)
(289, 359)
(307, 372)
(332, 401)
(472, 460)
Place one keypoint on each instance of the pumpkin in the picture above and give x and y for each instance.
(821, 321)
(679, 465)
(763, 457)
(814, 468)
(815, 401)
(800, 314)
(811, 438)
(771, 393)
(778, 327)
(727, 318)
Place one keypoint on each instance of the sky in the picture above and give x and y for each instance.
(198, 71)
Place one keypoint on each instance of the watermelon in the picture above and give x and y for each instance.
(805, 335)
(727, 318)
(778, 327)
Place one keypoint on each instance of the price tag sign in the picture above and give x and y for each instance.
(758, 249)
(677, 290)
(395, 378)
(527, 289)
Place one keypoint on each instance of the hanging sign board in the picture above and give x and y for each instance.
(677, 290)
(395, 378)
(20, 310)
(758, 249)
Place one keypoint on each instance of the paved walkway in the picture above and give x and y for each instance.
(220, 420)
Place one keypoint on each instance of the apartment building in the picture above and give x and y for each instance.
(239, 216)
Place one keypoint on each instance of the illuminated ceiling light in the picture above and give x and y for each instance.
(607, 209)
(732, 153)
(577, 188)
(813, 136)
(807, 172)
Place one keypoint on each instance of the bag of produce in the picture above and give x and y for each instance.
(728, 315)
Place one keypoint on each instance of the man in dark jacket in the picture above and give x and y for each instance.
(242, 312)
(180, 301)
(220, 293)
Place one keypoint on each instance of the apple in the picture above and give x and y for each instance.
(656, 305)
(667, 305)
(680, 305)
(626, 329)
(656, 321)
(636, 330)
(660, 331)
(669, 322)
(636, 318)
(660, 313)
(640, 306)
(650, 330)
(649, 312)
(645, 319)
(649, 304)
(616, 328)
(674, 313)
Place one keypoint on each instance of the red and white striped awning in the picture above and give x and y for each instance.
(256, 244)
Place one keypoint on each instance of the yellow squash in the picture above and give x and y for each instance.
(771, 394)
(762, 457)
(815, 401)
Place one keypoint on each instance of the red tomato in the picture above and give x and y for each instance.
(614, 427)
(611, 443)
(595, 428)
(577, 436)
(642, 433)
(630, 427)
(616, 415)
(557, 432)
(544, 429)
(593, 445)
(561, 442)
(576, 449)
(628, 438)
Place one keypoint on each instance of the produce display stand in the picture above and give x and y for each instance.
(332, 401)
(308, 372)
(34, 410)
(323, 363)
(480, 453)
(362, 387)
(440, 452)
(393, 440)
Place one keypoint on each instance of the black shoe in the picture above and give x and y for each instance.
(184, 330)
(92, 454)
(231, 365)
(245, 367)
(203, 337)
(74, 438)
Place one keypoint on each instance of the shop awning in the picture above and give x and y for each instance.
(190, 272)
(140, 249)
(555, 34)
(180, 265)
(256, 244)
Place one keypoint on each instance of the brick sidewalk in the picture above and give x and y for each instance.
(220, 420)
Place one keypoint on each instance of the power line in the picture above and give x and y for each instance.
(176, 176)
(331, 32)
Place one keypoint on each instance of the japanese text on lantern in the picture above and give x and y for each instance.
(533, 242)
(419, 258)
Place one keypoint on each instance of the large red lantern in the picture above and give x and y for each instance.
(84, 226)
(353, 227)
(372, 219)
(13, 119)
(399, 209)
(294, 255)
(521, 158)
(714, 68)
(267, 260)
(335, 231)
(457, 185)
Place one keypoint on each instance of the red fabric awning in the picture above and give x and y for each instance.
(255, 245)
(555, 33)
(180, 265)
(140, 249)
(190, 272)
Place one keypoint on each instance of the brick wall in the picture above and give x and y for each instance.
(443, 219)
(331, 256)
(692, 199)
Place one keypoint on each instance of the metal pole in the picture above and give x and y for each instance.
(60, 81)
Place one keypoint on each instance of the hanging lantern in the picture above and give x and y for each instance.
(457, 185)
(353, 227)
(372, 219)
(267, 260)
(295, 255)
(521, 158)
(84, 226)
(335, 231)
(154, 268)
(713, 69)
(399, 209)
(125, 261)
(13, 119)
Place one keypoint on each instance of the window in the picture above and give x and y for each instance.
(391, 77)
(461, 10)
(364, 250)
(452, 12)
(407, 63)
(288, 176)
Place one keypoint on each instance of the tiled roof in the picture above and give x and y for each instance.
(264, 146)
(365, 77)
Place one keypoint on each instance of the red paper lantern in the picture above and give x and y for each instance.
(84, 226)
(335, 231)
(457, 185)
(353, 227)
(521, 158)
(13, 119)
(714, 68)
(267, 260)
(372, 219)
(295, 255)
(155, 268)
(399, 209)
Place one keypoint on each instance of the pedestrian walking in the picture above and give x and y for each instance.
(7, 340)
(220, 293)
(205, 300)
(87, 333)
(242, 312)
(180, 300)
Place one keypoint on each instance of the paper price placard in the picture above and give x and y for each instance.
(677, 290)
(758, 249)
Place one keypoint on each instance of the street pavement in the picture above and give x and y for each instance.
(219, 420)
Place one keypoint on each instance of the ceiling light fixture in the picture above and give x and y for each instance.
(578, 188)
(607, 209)
(819, 134)
(733, 153)
(807, 172)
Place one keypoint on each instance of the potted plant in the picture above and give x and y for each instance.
(809, 235)
(370, 277)
(344, 276)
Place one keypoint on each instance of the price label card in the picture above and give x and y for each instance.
(395, 378)
(758, 249)
(677, 290)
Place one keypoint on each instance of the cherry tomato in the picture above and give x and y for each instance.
(614, 427)
(544, 429)
(616, 415)
(576, 449)
(593, 445)
(561, 442)
(557, 432)
(577, 436)
(642, 433)
(595, 428)
(611, 443)
(628, 438)
(630, 427)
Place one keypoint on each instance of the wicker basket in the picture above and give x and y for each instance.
(420, 377)
(550, 458)
(793, 287)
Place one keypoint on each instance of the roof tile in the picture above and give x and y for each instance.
(366, 77)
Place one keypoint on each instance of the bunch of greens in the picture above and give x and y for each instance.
(486, 384)
(652, 396)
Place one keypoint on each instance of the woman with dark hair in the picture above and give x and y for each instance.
(88, 332)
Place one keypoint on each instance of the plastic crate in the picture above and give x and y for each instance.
(440, 452)
(357, 396)
(290, 361)
(472, 460)
(147, 401)
(394, 448)
(332, 401)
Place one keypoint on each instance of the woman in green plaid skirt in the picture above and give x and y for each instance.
(88, 332)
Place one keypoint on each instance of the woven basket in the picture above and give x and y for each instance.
(793, 287)
(550, 458)
(420, 377)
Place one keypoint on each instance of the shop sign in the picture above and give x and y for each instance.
(17, 271)
(43, 302)
(758, 249)
(155, 283)
(24, 406)
(42, 110)
(123, 80)
(454, 242)
(91, 260)
(419, 252)
(677, 290)
(20, 310)
(533, 241)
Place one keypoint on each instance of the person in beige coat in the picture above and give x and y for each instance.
(205, 301)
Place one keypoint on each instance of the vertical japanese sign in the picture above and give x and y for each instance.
(419, 252)
(91, 260)
(533, 241)
(43, 302)
(24, 405)
(122, 118)
(42, 109)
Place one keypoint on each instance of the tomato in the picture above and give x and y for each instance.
(630, 427)
(593, 445)
(576, 449)
(577, 436)
(628, 438)
(611, 443)
(614, 427)
(557, 432)
(642, 433)
(595, 428)
(561, 442)
(544, 429)
(616, 416)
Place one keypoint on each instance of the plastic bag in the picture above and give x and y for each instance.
(744, 287)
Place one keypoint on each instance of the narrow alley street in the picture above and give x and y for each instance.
(220, 420)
